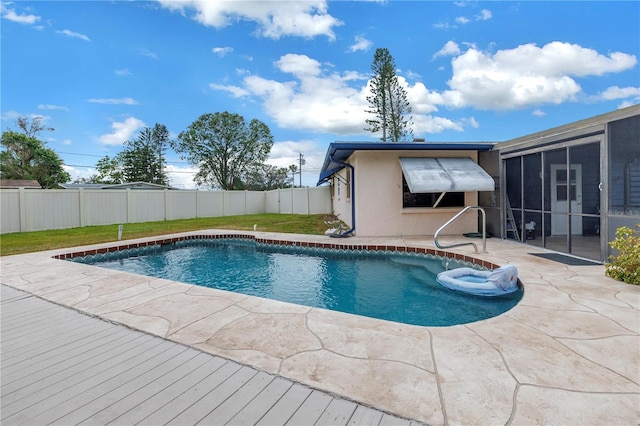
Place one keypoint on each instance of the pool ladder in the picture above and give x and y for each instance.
(450, 221)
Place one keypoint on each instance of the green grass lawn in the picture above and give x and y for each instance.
(26, 242)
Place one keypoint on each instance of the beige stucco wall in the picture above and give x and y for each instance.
(341, 205)
(378, 194)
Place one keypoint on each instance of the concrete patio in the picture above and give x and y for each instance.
(566, 354)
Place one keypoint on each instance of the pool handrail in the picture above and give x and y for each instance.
(484, 230)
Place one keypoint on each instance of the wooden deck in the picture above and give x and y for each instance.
(62, 367)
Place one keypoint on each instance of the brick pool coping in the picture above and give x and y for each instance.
(285, 242)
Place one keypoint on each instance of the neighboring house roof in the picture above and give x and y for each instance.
(81, 185)
(128, 185)
(19, 183)
(338, 152)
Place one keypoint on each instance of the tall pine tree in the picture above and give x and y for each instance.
(388, 101)
(141, 160)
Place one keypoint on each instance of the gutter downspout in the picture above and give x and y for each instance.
(353, 201)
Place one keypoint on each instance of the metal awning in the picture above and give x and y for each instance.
(460, 174)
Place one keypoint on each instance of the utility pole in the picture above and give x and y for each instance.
(302, 162)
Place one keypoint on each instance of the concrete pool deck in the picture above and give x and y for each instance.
(566, 354)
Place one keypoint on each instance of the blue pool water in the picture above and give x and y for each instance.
(397, 287)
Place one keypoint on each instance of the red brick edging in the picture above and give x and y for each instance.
(163, 241)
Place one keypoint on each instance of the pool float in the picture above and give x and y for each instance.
(500, 281)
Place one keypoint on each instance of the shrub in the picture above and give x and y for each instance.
(626, 265)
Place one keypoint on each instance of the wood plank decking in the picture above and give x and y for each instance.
(62, 367)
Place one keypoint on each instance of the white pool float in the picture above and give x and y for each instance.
(500, 281)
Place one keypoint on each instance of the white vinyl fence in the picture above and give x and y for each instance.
(23, 210)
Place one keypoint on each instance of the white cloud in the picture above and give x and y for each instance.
(52, 107)
(484, 15)
(222, 51)
(70, 33)
(113, 101)
(181, 177)
(123, 71)
(12, 15)
(66, 142)
(423, 100)
(629, 103)
(631, 95)
(298, 65)
(443, 26)
(312, 101)
(360, 44)
(471, 121)
(528, 75)
(77, 173)
(10, 115)
(412, 75)
(538, 113)
(431, 124)
(615, 92)
(236, 91)
(286, 153)
(122, 131)
(450, 48)
(275, 19)
(147, 53)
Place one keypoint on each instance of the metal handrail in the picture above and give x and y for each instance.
(484, 230)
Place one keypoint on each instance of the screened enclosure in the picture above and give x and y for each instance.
(571, 189)
(624, 174)
(555, 199)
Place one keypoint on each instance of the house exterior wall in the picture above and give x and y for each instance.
(341, 204)
(378, 195)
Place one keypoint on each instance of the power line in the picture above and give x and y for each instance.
(102, 156)
(82, 155)
(93, 167)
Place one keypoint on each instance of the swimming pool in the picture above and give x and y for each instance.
(381, 284)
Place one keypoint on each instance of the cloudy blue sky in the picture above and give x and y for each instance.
(99, 71)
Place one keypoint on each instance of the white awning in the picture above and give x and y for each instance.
(445, 175)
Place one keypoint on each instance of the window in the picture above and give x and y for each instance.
(348, 183)
(428, 199)
(441, 182)
(334, 182)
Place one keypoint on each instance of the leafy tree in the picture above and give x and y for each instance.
(224, 147)
(388, 100)
(265, 177)
(143, 159)
(110, 171)
(25, 157)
